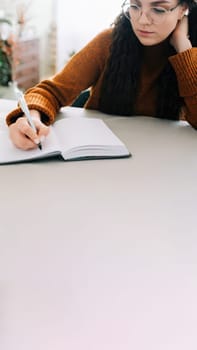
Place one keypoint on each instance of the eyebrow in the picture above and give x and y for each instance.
(160, 2)
(157, 2)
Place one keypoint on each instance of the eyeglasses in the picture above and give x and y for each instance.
(155, 14)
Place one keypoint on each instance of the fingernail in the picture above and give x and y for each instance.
(42, 138)
(37, 141)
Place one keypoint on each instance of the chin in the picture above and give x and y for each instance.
(149, 42)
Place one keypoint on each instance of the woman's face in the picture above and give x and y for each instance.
(149, 22)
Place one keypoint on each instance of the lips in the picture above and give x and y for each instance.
(144, 32)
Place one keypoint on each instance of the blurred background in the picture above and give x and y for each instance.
(38, 37)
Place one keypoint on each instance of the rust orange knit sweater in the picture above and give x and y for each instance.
(86, 68)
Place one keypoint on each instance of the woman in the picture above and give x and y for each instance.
(146, 64)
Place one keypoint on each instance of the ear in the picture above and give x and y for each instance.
(184, 10)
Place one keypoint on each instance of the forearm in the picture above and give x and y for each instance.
(38, 99)
(185, 66)
(183, 45)
(81, 72)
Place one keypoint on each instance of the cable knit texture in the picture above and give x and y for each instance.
(85, 70)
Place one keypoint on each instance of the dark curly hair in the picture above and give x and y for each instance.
(122, 72)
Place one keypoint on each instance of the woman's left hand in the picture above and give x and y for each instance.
(179, 37)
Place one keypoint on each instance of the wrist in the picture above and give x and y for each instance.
(35, 114)
(183, 45)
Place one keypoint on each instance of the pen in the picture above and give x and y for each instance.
(25, 109)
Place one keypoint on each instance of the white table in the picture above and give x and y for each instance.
(102, 254)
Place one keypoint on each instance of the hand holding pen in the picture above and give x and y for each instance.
(25, 109)
(28, 131)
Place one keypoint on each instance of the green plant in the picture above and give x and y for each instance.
(5, 69)
(5, 51)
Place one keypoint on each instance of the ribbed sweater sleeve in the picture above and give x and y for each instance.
(185, 66)
(81, 72)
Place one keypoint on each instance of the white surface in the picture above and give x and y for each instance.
(79, 22)
(102, 254)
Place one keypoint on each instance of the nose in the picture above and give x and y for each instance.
(144, 18)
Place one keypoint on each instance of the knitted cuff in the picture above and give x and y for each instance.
(185, 66)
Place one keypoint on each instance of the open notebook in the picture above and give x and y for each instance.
(73, 138)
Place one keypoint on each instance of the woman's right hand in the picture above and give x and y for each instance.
(22, 134)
